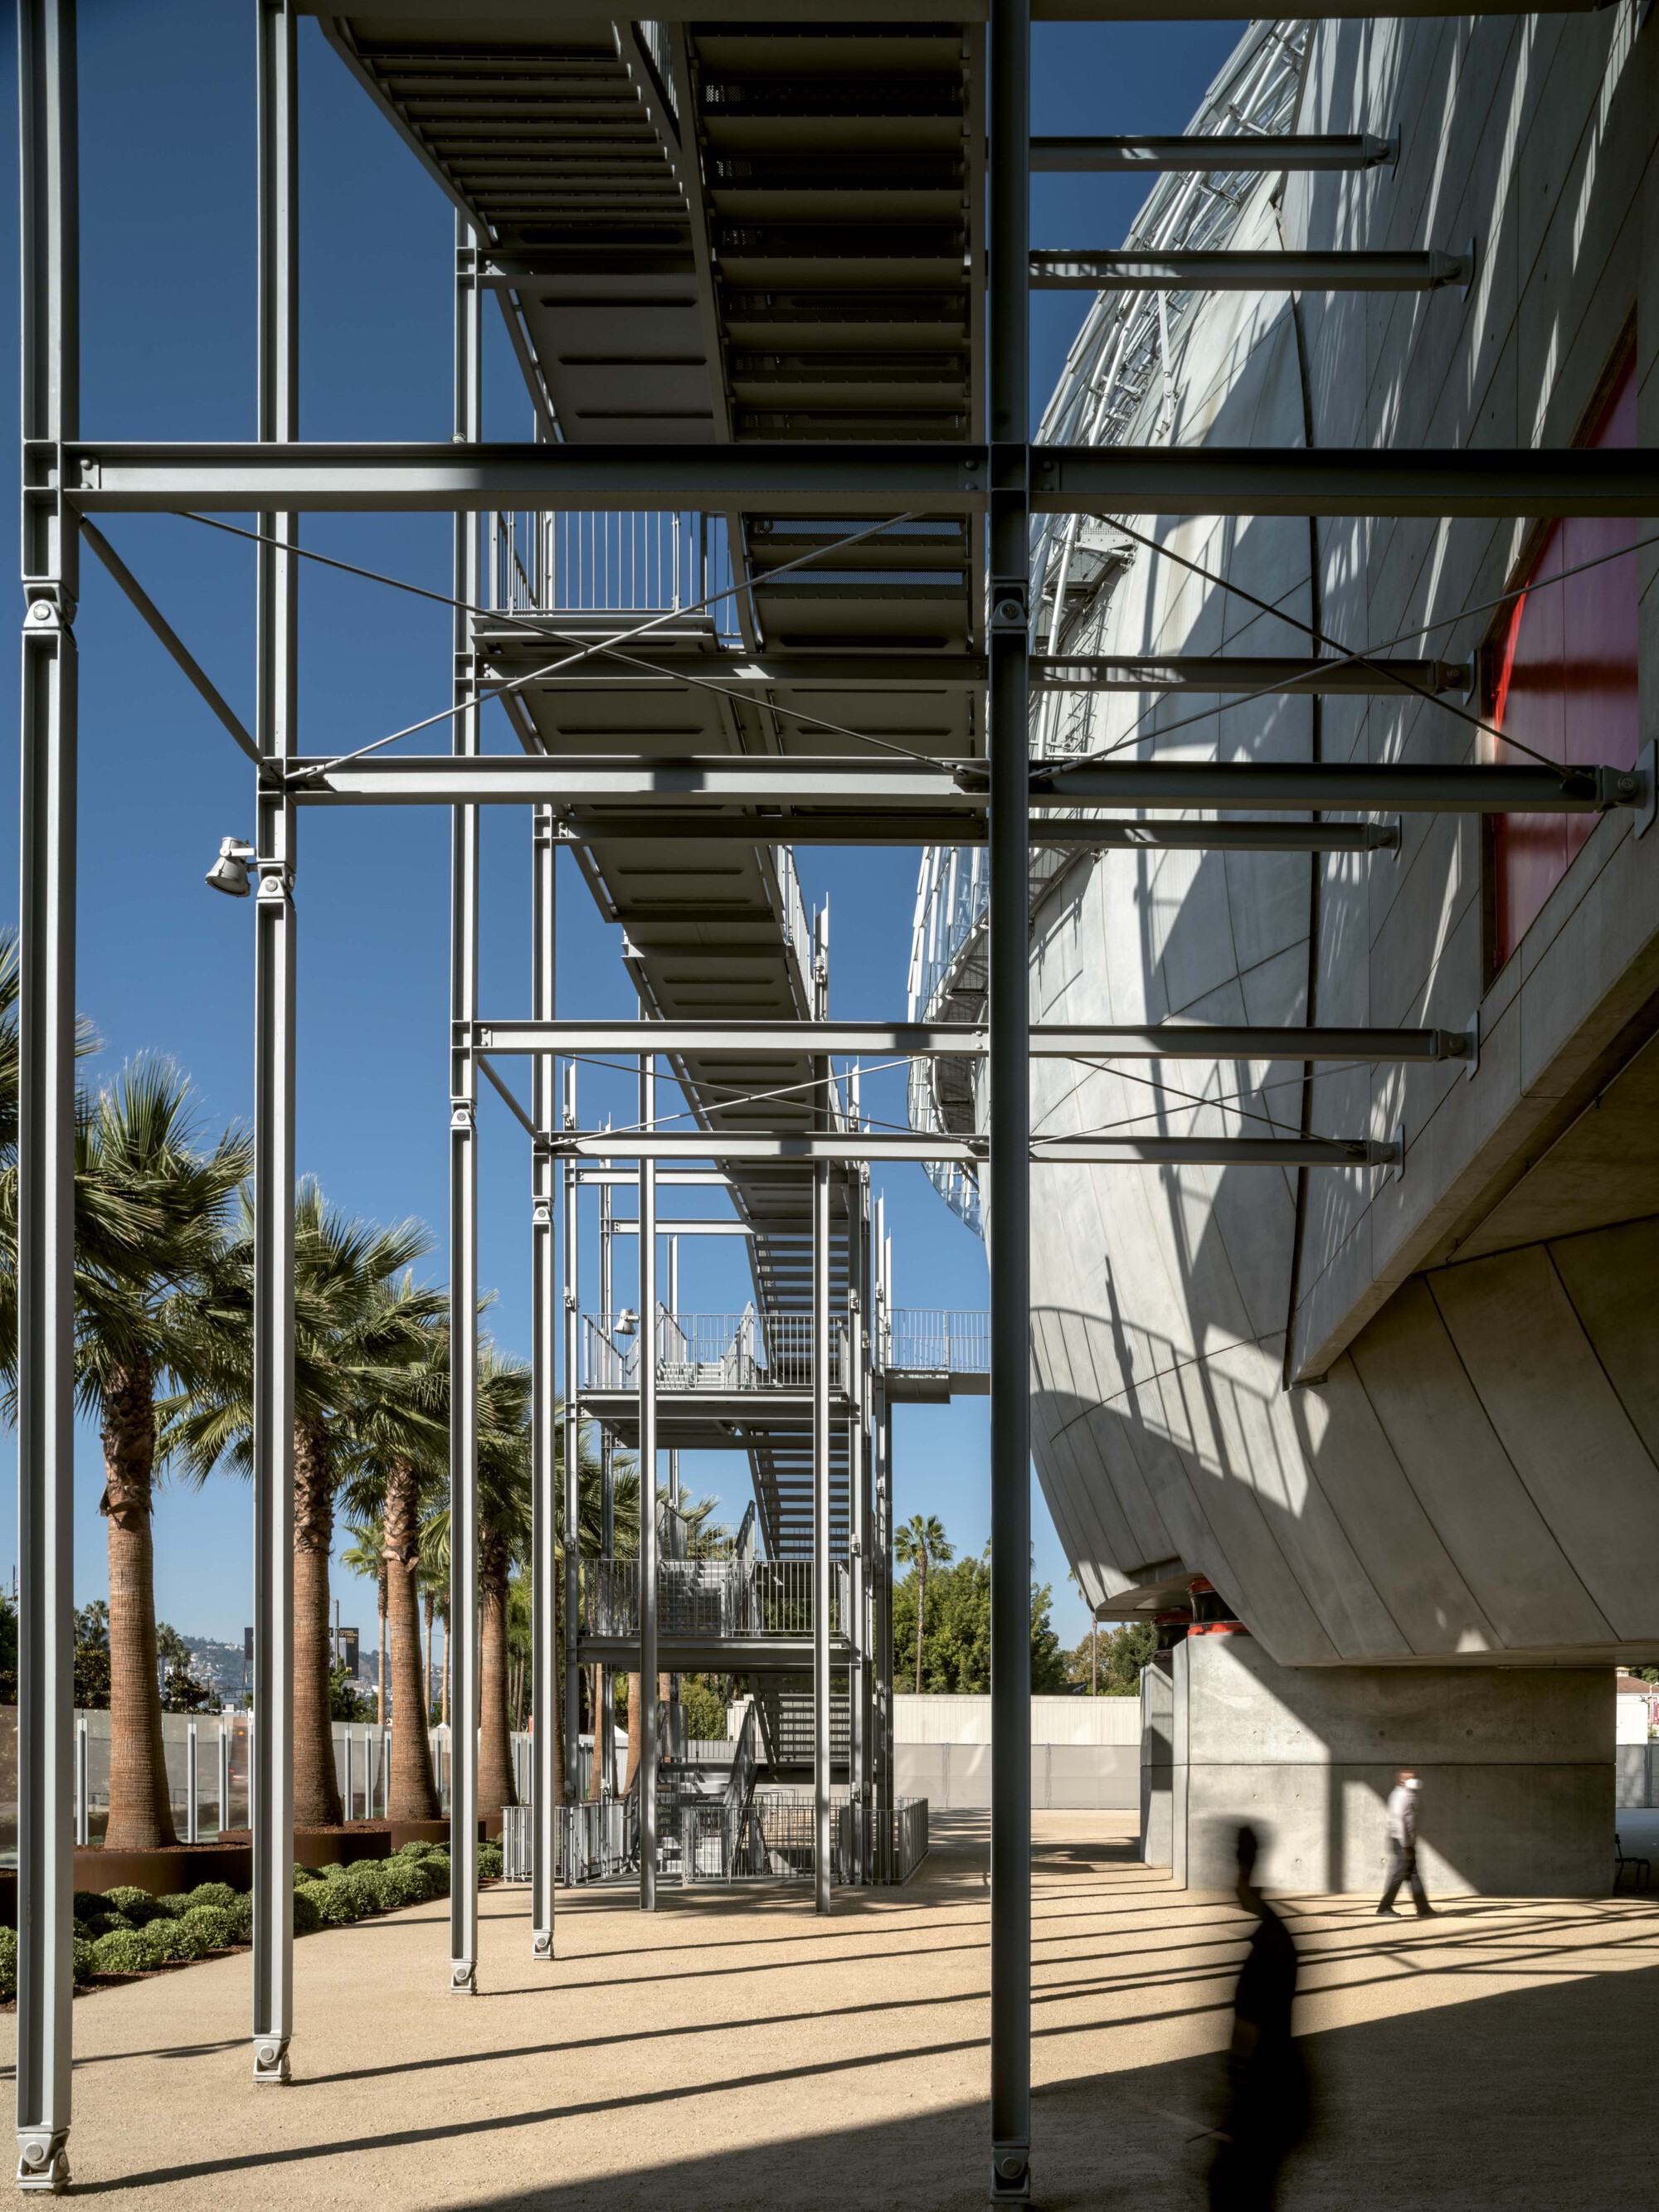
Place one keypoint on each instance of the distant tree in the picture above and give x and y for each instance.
(703, 1701)
(955, 1643)
(8, 1650)
(921, 1545)
(91, 1657)
(1121, 1657)
(183, 1690)
(346, 1702)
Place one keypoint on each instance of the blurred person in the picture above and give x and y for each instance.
(1402, 1848)
(1267, 2113)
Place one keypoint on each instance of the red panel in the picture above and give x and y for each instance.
(1567, 683)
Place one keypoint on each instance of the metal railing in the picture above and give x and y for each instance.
(770, 1836)
(716, 1599)
(934, 1340)
(598, 562)
(723, 1352)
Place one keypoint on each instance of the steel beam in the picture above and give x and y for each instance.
(1239, 270)
(46, 1118)
(545, 1612)
(884, 785)
(1379, 678)
(605, 1747)
(910, 828)
(758, 672)
(940, 1040)
(646, 1764)
(1521, 483)
(568, 1705)
(464, 1610)
(971, 1151)
(822, 1843)
(1341, 786)
(271, 1759)
(170, 639)
(1215, 156)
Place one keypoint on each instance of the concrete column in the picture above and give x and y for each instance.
(1516, 1766)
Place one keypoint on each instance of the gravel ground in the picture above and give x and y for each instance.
(737, 2052)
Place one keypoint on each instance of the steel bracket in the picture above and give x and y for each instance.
(464, 1978)
(1647, 769)
(463, 1115)
(50, 608)
(540, 1944)
(1011, 2173)
(43, 2161)
(271, 2062)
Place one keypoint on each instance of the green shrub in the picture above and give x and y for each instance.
(89, 1903)
(188, 1940)
(8, 1963)
(107, 1924)
(240, 1917)
(123, 1951)
(400, 1885)
(218, 1894)
(306, 1917)
(490, 1861)
(336, 1906)
(86, 1962)
(174, 1908)
(212, 1923)
(81, 1930)
(137, 1907)
(306, 1874)
(163, 1941)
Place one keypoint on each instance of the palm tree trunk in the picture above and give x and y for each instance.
(140, 1810)
(495, 1784)
(316, 1787)
(379, 1678)
(922, 1611)
(413, 1795)
(635, 1730)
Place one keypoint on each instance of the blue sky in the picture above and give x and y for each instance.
(167, 277)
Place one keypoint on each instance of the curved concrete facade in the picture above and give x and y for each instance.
(1392, 1418)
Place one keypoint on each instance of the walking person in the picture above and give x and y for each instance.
(1268, 2101)
(1402, 1848)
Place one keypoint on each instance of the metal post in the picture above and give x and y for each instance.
(604, 1748)
(571, 1590)
(821, 1854)
(857, 1475)
(349, 1790)
(646, 1764)
(83, 1784)
(1009, 1216)
(674, 1308)
(881, 1534)
(271, 1765)
(46, 1158)
(192, 1786)
(224, 1777)
(544, 1473)
(463, 1639)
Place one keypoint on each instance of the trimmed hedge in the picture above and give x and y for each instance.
(214, 1924)
(7, 1962)
(123, 1951)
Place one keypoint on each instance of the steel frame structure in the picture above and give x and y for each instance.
(997, 484)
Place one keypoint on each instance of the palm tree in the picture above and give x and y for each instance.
(366, 1556)
(921, 1543)
(353, 1340)
(138, 1145)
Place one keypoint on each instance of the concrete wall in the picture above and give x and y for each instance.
(1469, 1467)
(1516, 1767)
(1066, 1777)
(965, 1717)
(1635, 1775)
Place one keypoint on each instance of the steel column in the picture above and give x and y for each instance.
(270, 1760)
(570, 1589)
(1008, 1215)
(45, 1151)
(857, 1476)
(464, 1194)
(544, 1472)
(646, 1763)
(605, 1734)
(821, 1350)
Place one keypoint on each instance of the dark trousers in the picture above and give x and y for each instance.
(1402, 1868)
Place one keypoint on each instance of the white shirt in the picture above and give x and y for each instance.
(1402, 1814)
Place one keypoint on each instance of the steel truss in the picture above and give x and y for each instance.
(995, 485)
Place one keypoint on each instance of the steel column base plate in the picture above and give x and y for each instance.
(540, 1944)
(43, 2162)
(1011, 2173)
(464, 1978)
(270, 2064)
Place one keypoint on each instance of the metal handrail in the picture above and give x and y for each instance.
(724, 1353)
(717, 1599)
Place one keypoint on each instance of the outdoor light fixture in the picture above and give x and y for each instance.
(627, 1322)
(229, 874)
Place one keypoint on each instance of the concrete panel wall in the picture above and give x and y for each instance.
(1469, 1466)
(1065, 1778)
(1516, 1766)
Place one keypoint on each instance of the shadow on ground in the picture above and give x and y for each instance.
(1497, 2104)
